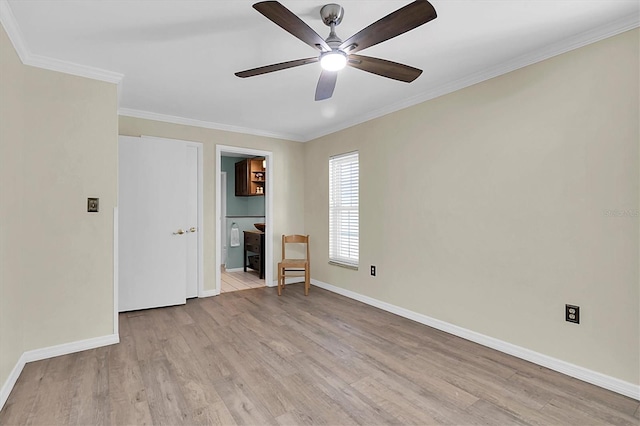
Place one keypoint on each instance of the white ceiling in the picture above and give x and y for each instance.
(178, 57)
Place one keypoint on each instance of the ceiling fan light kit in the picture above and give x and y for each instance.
(335, 54)
(333, 61)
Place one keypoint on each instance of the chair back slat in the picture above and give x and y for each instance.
(296, 239)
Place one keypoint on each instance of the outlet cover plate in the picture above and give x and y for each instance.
(572, 313)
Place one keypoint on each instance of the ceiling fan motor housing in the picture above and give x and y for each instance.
(332, 14)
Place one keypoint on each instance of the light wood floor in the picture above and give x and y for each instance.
(251, 357)
(234, 281)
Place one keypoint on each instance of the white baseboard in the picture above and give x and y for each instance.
(607, 382)
(69, 348)
(11, 381)
(207, 293)
(50, 352)
(235, 270)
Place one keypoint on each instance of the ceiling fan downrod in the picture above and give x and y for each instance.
(332, 15)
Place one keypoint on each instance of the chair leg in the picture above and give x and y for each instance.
(279, 280)
(306, 281)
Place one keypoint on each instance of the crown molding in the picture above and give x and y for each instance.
(53, 64)
(10, 25)
(572, 43)
(128, 112)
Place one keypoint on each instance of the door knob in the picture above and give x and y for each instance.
(179, 232)
(192, 229)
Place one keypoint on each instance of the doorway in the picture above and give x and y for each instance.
(226, 225)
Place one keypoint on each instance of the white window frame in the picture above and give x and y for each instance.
(344, 212)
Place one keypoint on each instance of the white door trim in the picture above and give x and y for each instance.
(116, 322)
(223, 213)
(268, 209)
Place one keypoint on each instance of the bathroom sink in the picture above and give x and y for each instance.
(259, 226)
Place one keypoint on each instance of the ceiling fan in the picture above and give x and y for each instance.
(335, 54)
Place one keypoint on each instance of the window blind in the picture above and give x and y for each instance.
(344, 235)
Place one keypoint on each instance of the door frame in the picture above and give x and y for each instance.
(200, 238)
(223, 214)
(268, 209)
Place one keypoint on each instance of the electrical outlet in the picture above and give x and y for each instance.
(373, 271)
(572, 313)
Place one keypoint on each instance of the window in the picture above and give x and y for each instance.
(344, 235)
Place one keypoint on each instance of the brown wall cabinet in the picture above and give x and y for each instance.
(250, 177)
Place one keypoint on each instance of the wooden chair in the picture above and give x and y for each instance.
(294, 267)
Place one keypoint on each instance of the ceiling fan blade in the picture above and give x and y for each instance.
(384, 68)
(399, 22)
(275, 67)
(286, 19)
(326, 84)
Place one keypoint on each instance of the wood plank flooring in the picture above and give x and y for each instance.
(251, 357)
(234, 281)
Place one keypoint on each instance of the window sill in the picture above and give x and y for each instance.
(343, 265)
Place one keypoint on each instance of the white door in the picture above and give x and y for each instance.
(192, 222)
(152, 217)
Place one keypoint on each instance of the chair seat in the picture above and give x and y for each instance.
(293, 263)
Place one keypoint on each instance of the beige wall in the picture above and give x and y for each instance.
(70, 155)
(11, 160)
(59, 134)
(486, 208)
(287, 174)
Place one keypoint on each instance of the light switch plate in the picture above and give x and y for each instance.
(93, 205)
